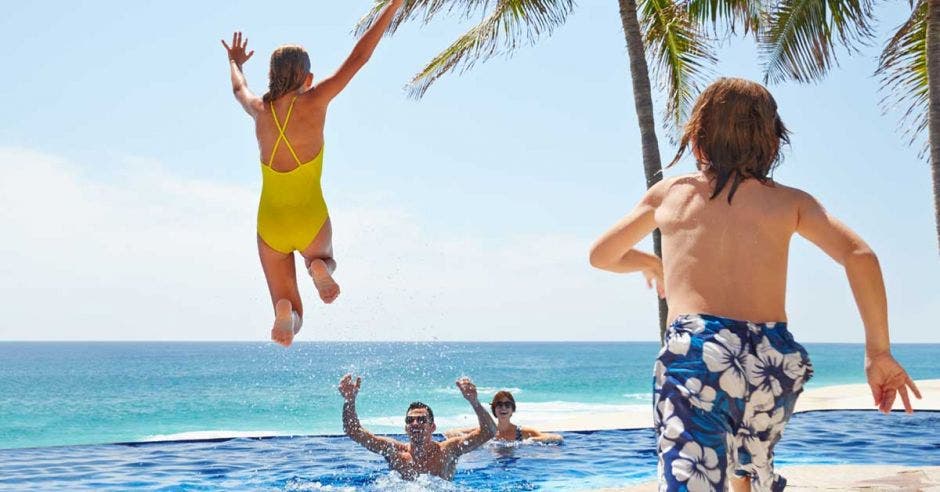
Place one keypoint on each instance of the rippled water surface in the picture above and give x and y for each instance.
(586, 460)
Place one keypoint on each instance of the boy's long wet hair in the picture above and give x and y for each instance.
(734, 133)
(290, 65)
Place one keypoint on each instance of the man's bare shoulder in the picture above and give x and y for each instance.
(396, 449)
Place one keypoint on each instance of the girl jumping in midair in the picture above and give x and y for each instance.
(292, 214)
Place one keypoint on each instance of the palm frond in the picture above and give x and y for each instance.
(902, 71)
(800, 35)
(681, 58)
(423, 10)
(504, 28)
(728, 15)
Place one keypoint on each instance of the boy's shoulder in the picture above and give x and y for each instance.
(793, 193)
(697, 179)
(675, 183)
(668, 183)
(656, 193)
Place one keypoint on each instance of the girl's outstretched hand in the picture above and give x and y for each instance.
(236, 52)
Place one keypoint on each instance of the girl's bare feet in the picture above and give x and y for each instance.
(283, 330)
(323, 280)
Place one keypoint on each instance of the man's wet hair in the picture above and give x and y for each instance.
(417, 405)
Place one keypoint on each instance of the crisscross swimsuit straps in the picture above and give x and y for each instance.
(291, 210)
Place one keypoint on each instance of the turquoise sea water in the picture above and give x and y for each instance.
(83, 393)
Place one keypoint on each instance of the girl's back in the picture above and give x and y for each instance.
(304, 129)
(292, 212)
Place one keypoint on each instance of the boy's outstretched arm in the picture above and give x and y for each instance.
(237, 57)
(614, 251)
(885, 376)
(331, 86)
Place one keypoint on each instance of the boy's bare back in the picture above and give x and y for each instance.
(725, 253)
(726, 259)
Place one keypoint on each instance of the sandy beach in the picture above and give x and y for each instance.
(846, 478)
(842, 397)
(809, 477)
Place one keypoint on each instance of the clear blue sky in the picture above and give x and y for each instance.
(130, 179)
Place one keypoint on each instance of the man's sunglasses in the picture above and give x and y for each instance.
(421, 419)
(504, 404)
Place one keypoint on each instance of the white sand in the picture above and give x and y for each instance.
(844, 397)
(829, 477)
(846, 478)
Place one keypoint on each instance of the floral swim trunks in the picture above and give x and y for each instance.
(723, 390)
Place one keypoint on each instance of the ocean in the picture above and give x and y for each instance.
(67, 393)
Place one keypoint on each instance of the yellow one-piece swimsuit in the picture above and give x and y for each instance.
(292, 210)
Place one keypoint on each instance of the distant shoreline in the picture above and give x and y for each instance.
(834, 397)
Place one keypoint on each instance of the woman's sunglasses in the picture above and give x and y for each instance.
(504, 404)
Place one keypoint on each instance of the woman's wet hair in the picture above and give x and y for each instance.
(502, 395)
(290, 65)
(734, 133)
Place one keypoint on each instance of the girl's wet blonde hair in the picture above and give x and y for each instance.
(734, 133)
(290, 65)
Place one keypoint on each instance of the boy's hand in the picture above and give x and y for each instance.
(887, 378)
(654, 274)
(236, 52)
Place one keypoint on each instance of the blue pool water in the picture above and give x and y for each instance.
(586, 460)
(86, 393)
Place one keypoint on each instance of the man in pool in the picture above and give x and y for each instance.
(422, 454)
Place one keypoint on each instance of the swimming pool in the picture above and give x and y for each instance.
(586, 460)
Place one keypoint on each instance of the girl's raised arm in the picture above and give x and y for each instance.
(334, 84)
(236, 58)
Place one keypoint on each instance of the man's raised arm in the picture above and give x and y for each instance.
(351, 426)
(468, 442)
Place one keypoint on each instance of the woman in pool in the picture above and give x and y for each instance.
(503, 406)
(725, 383)
(292, 214)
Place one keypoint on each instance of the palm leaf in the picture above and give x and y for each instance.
(800, 35)
(681, 58)
(504, 28)
(727, 15)
(902, 70)
(423, 10)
